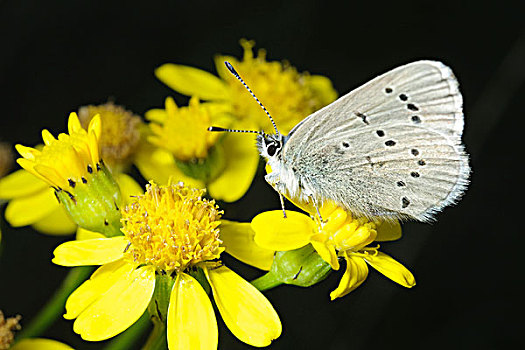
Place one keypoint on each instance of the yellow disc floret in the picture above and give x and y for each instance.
(183, 131)
(290, 96)
(172, 228)
(120, 131)
(346, 233)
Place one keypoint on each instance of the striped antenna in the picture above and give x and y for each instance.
(234, 72)
(217, 128)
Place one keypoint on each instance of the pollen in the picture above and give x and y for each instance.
(120, 134)
(184, 131)
(172, 228)
(287, 94)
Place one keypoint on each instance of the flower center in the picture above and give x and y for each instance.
(346, 233)
(184, 131)
(286, 93)
(172, 228)
(120, 131)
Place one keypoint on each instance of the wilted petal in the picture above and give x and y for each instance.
(246, 312)
(191, 319)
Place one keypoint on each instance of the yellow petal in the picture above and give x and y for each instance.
(191, 319)
(191, 81)
(246, 312)
(327, 252)
(73, 123)
(242, 160)
(355, 274)
(274, 232)
(40, 344)
(30, 209)
(20, 183)
(128, 187)
(98, 284)
(159, 166)
(119, 307)
(47, 137)
(388, 231)
(27, 152)
(97, 251)
(391, 269)
(83, 234)
(156, 115)
(239, 243)
(56, 223)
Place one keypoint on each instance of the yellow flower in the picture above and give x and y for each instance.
(120, 134)
(31, 199)
(225, 164)
(339, 236)
(182, 149)
(290, 96)
(169, 233)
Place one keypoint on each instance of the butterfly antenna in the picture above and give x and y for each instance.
(234, 72)
(217, 128)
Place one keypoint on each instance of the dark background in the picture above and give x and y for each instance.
(56, 56)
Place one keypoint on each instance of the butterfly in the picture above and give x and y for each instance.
(390, 148)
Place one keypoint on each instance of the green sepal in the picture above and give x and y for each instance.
(199, 275)
(301, 267)
(94, 203)
(205, 169)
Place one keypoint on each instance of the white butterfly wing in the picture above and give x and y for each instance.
(390, 148)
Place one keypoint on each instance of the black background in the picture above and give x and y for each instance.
(56, 56)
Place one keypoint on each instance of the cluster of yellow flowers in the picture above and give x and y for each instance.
(159, 250)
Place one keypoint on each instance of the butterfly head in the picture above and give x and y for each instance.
(270, 145)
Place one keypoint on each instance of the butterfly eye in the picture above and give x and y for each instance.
(272, 148)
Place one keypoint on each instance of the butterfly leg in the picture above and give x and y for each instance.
(316, 205)
(282, 205)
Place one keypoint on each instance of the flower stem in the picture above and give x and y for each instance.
(55, 306)
(127, 339)
(157, 339)
(267, 281)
